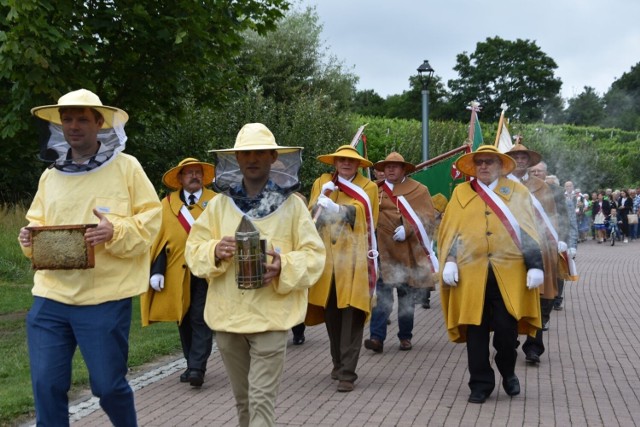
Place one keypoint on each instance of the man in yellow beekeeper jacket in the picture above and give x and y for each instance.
(174, 294)
(252, 324)
(91, 181)
(489, 246)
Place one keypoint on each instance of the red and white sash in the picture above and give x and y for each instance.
(501, 210)
(412, 217)
(360, 195)
(551, 232)
(184, 216)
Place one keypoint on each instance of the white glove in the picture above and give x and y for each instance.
(450, 273)
(328, 186)
(535, 278)
(562, 246)
(157, 282)
(572, 252)
(399, 234)
(328, 205)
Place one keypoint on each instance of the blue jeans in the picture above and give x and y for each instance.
(382, 310)
(633, 231)
(54, 330)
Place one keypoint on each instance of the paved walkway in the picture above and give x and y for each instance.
(589, 375)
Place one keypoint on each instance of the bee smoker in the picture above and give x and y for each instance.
(250, 255)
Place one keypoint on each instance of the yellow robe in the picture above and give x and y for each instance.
(481, 239)
(172, 303)
(347, 249)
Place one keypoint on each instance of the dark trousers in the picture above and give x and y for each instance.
(560, 297)
(384, 306)
(54, 330)
(494, 317)
(195, 336)
(345, 329)
(298, 330)
(536, 345)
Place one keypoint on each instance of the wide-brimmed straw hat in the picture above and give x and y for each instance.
(534, 157)
(439, 202)
(170, 178)
(466, 165)
(394, 157)
(256, 136)
(82, 98)
(345, 151)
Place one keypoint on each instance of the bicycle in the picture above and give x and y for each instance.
(614, 234)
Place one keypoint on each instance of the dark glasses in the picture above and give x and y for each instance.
(488, 162)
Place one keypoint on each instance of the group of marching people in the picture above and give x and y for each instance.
(502, 247)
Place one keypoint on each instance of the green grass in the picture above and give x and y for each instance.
(16, 278)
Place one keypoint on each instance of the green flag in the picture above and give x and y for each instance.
(440, 174)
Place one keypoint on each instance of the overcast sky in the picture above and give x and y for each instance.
(384, 41)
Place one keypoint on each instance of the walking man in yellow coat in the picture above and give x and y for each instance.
(489, 246)
(174, 294)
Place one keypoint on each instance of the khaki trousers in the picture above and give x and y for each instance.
(254, 363)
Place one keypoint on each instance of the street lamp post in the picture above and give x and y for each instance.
(425, 72)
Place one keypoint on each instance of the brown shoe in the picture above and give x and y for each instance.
(345, 386)
(405, 345)
(373, 344)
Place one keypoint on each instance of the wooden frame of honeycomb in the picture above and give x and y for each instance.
(61, 247)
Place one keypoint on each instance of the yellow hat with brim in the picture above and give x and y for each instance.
(439, 202)
(394, 157)
(170, 178)
(256, 136)
(534, 157)
(466, 165)
(82, 98)
(345, 151)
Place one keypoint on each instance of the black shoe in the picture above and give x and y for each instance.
(558, 306)
(373, 344)
(299, 340)
(478, 397)
(388, 321)
(196, 377)
(184, 377)
(426, 305)
(511, 385)
(532, 358)
(545, 327)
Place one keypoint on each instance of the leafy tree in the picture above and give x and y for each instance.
(368, 103)
(293, 89)
(622, 101)
(291, 62)
(408, 105)
(140, 55)
(586, 109)
(500, 71)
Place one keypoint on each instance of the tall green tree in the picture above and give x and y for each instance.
(368, 103)
(292, 61)
(408, 105)
(585, 109)
(517, 73)
(141, 55)
(622, 101)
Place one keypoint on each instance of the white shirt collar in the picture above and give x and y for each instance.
(197, 194)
